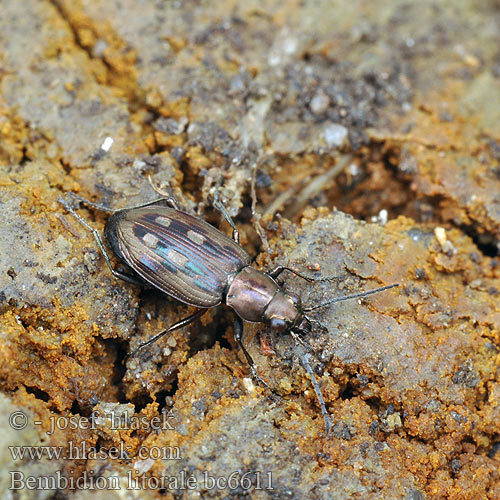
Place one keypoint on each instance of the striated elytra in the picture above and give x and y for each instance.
(192, 261)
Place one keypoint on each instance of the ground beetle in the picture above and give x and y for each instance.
(188, 259)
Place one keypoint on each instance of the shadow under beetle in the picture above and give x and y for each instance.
(190, 260)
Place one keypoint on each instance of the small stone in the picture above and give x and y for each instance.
(319, 103)
(99, 48)
(335, 135)
(143, 466)
(440, 234)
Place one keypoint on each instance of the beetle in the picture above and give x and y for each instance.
(184, 257)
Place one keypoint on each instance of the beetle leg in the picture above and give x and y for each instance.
(316, 322)
(222, 209)
(256, 216)
(100, 244)
(168, 196)
(168, 200)
(304, 357)
(89, 203)
(238, 334)
(279, 269)
(170, 329)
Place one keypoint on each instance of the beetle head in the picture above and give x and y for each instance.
(284, 311)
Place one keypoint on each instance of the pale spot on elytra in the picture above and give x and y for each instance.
(177, 258)
(150, 239)
(196, 237)
(164, 221)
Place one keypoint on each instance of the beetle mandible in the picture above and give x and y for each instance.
(185, 257)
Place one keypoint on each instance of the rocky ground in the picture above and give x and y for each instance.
(352, 139)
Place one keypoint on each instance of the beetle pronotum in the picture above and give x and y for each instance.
(190, 260)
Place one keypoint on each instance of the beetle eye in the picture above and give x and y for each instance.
(295, 299)
(278, 324)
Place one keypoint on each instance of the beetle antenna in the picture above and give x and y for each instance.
(304, 358)
(295, 333)
(348, 297)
